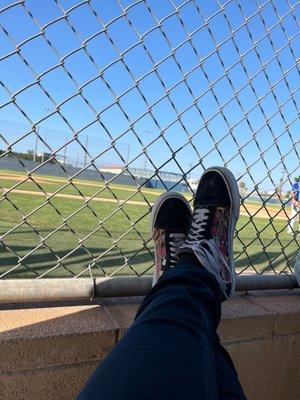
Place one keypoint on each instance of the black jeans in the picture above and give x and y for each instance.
(171, 351)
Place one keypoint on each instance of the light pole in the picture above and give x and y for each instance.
(281, 183)
(46, 133)
(36, 143)
(65, 151)
(86, 150)
(128, 153)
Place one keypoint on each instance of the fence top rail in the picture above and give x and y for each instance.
(39, 290)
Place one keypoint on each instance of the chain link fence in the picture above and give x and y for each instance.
(104, 105)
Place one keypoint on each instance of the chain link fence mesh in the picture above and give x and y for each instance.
(104, 105)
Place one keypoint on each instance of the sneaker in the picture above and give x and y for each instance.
(171, 218)
(210, 237)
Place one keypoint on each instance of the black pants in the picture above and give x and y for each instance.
(172, 350)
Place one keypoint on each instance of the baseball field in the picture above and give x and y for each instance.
(53, 227)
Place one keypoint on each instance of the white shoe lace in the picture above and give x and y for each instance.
(176, 240)
(207, 250)
(197, 227)
(213, 261)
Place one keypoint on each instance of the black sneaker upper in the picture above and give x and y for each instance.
(212, 194)
(173, 216)
(212, 191)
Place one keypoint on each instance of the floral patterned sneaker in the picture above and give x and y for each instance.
(171, 217)
(210, 236)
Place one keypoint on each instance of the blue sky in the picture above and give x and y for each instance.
(206, 82)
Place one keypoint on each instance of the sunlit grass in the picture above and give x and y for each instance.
(119, 240)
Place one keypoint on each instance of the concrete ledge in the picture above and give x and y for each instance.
(49, 352)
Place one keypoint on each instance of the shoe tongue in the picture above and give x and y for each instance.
(170, 231)
(210, 206)
(172, 226)
(205, 206)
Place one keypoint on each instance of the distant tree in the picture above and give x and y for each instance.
(279, 189)
(242, 186)
(288, 194)
(297, 179)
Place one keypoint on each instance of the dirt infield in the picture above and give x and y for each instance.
(254, 210)
(21, 178)
(266, 212)
(73, 197)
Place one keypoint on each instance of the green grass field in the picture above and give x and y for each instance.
(100, 231)
(78, 187)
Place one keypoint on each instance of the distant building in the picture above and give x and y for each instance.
(160, 179)
(112, 168)
(193, 184)
(154, 180)
(160, 175)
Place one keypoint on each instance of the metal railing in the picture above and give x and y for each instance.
(103, 105)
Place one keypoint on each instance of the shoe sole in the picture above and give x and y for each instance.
(234, 194)
(155, 209)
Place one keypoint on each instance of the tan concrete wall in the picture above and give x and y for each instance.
(48, 353)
